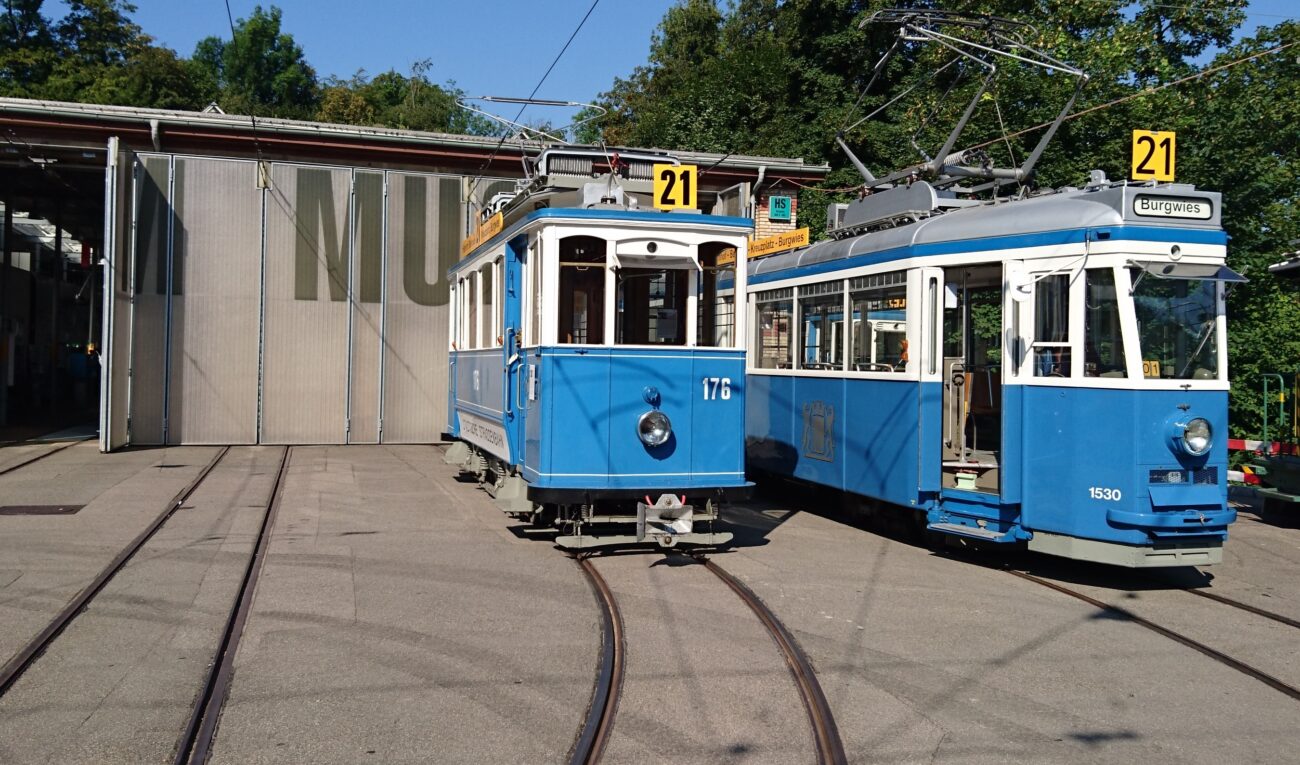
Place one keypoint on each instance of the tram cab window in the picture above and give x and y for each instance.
(1103, 352)
(1177, 327)
(716, 296)
(771, 349)
(582, 290)
(878, 341)
(1051, 347)
(651, 306)
(821, 326)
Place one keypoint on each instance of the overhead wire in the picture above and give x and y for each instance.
(252, 118)
(486, 163)
(1099, 107)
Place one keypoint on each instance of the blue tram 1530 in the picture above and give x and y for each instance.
(1051, 371)
(597, 379)
(1039, 368)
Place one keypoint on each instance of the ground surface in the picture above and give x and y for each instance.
(401, 617)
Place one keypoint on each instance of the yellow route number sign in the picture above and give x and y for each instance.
(675, 187)
(1153, 155)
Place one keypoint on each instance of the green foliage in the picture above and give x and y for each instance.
(1247, 145)
(260, 70)
(397, 101)
(782, 77)
(95, 54)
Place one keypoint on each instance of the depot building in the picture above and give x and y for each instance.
(218, 279)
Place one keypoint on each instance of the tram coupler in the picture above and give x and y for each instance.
(665, 520)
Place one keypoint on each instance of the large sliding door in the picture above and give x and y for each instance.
(310, 309)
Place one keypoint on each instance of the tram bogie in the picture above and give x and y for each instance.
(597, 371)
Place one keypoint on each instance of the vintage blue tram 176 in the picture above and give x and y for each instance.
(597, 360)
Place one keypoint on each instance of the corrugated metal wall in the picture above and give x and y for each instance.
(312, 311)
(216, 297)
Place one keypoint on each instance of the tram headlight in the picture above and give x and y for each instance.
(654, 428)
(1197, 436)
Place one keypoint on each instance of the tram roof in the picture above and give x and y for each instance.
(570, 214)
(1054, 218)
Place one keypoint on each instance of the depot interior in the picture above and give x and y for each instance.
(53, 226)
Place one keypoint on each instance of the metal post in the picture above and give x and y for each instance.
(5, 261)
(1281, 408)
(56, 293)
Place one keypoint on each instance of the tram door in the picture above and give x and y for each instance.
(972, 379)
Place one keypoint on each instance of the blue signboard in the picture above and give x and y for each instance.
(778, 208)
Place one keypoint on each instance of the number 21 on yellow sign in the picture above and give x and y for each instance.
(674, 187)
(1153, 155)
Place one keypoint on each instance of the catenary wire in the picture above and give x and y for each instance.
(1089, 110)
(488, 162)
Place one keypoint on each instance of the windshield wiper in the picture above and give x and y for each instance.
(1204, 338)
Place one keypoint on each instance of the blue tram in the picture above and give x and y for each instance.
(1048, 371)
(597, 368)
(1038, 368)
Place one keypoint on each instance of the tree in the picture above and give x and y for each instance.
(153, 77)
(781, 77)
(27, 49)
(395, 100)
(260, 70)
(1247, 146)
(94, 53)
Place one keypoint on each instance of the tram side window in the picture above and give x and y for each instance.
(821, 326)
(716, 296)
(1103, 352)
(582, 290)
(772, 329)
(471, 311)
(1051, 348)
(651, 306)
(878, 342)
(487, 331)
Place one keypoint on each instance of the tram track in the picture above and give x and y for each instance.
(1248, 608)
(14, 668)
(195, 743)
(830, 749)
(598, 726)
(609, 681)
(37, 458)
(1246, 669)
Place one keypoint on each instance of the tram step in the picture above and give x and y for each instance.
(973, 532)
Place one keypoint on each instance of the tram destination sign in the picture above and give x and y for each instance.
(485, 231)
(771, 245)
(1159, 206)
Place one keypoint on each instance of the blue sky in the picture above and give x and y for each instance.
(489, 47)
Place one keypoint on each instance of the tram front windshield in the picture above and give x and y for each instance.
(1177, 327)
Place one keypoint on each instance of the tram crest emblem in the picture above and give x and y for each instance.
(819, 431)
